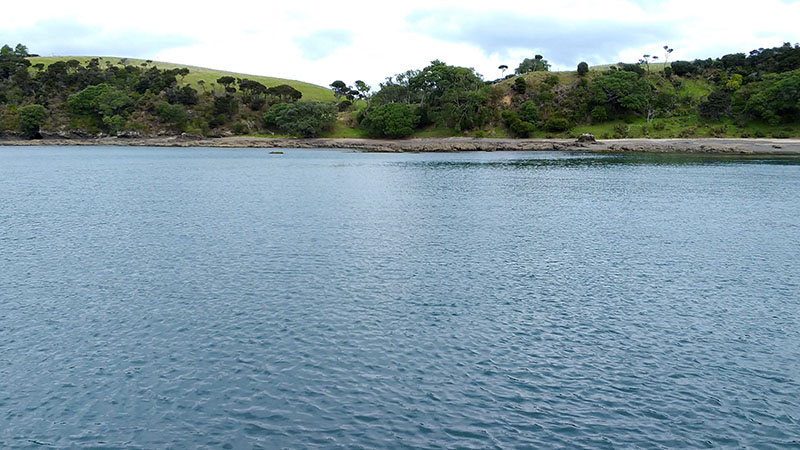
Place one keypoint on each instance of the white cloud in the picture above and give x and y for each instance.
(287, 39)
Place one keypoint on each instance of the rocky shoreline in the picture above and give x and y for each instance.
(457, 144)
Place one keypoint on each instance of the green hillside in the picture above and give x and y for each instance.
(751, 94)
(196, 74)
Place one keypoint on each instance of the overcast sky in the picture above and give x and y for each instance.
(320, 41)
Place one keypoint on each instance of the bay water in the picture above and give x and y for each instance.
(234, 298)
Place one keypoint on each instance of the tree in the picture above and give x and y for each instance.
(583, 68)
(227, 83)
(340, 89)
(717, 104)
(100, 102)
(31, 117)
(284, 93)
(537, 64)
(516, 125)
(307, 119)
(528, 112)
(173, 114)
(646, 61)
(520, 85)
(503, 69)
(681, 68)
(363, 90)
(621, 91)
(394, 120)
(21, 50)
(775, 99)
(667, 53)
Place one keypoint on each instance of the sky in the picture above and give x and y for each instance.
(320, 42)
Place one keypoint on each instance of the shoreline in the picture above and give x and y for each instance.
(731, 146)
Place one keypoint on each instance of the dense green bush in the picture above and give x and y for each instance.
(557, 124)
(307, 119)
(599, 114)
(583, 68)
(516, 125)
(520, 85)
(394, 120)
(528, 112)
(31, 117)
(174, 114)
(621, 91)
(775, 99)
(717, 105)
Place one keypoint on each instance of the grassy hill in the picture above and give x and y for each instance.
(196, 74)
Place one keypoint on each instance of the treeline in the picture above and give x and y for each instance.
(762, 86)
(125, 99)
(100, 97)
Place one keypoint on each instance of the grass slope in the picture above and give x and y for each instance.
(208, 76)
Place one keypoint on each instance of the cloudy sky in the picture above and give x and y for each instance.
(320, 41)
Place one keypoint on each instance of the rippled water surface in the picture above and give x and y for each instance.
(230, 298)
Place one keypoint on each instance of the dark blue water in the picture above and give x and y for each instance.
(216, 298)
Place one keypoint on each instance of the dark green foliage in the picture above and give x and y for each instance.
(682, 68)
(31, 117)
(668, 72)
(622, 91)
(718, 104)
(557, 124)
(393, 120)
(537, 64)
(635, 68)
(11, 62)
(449, 96)
(520, 85)
(284, 93)
(271, 116)
(153, 79)
(775, 99)
(225, 105)
(528, 112)
(344, 105)
(101, 102)
(583, 68)
(185, 95)
(516, 125)
(599, 114)
(226, 81)
(307, 119)
(340, 89)
(174, 114)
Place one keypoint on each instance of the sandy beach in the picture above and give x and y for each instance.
(457, 144)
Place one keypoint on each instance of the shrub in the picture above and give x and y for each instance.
(599, 114)
(557, 124)
(635, 68)
(345, 105)
(307, 119)
(31, 117)
(520, 85)
(682, 68)
(394, 120)
(241, 127)
(717, 105)
(516, 125)
(583, 68)
(528, 112)
(174, 114)
(621, 131)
